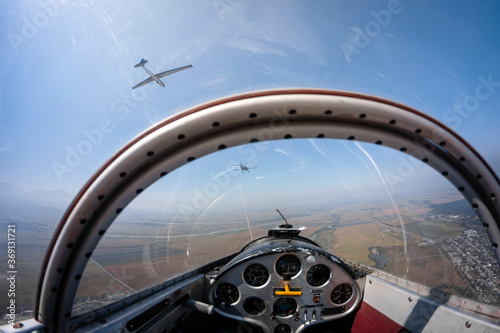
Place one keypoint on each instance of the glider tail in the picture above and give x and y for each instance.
(142, 63)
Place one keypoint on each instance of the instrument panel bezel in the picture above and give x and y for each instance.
(308, 256)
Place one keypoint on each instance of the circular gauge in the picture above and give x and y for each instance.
(341, 293)
(256, 275)
(227, 293)
(288, 266)
(283, 328)
(318, 275)
(254, 305)
(284, 307)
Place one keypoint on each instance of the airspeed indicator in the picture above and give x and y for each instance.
(341, 294)
(227, 293)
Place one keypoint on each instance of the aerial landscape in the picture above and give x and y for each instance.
(371, 126)
(433, 239)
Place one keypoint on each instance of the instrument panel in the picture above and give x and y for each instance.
(285, 292)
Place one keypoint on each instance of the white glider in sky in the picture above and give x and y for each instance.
(156, 77)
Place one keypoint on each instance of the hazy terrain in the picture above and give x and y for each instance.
(417, 238)
(35, 215)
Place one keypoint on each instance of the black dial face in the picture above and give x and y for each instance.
(318, 275)
(254, 305)
(284, 307)
(256, 275)
(288, 266)
(341, 293)
(227, 293)
(283, 328)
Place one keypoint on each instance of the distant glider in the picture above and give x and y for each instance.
(244, 167)
(156, 77)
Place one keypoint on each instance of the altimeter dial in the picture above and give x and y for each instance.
(256, 275)
(318, 275)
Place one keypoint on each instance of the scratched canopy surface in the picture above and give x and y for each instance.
(362, 202)
(67, 72)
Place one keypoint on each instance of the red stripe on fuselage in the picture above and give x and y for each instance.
(368, 319)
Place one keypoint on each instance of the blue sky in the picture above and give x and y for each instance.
(66, 69)
(290, 175)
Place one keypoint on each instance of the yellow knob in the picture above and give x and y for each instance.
(287, 292)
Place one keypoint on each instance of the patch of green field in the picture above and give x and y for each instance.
(354, 242)
(434, 229)
(423, 264)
